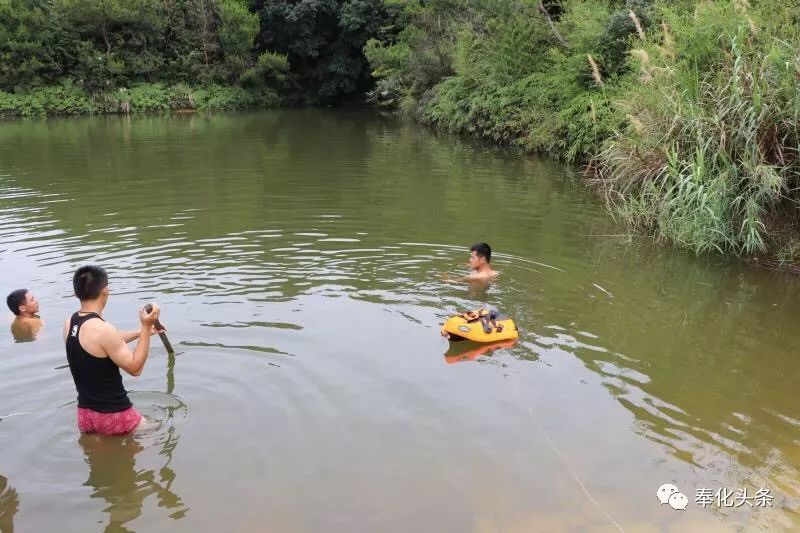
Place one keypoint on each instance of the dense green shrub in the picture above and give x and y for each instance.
(143, 98)
(49, 100)
(309, 50)
(710, 156)
(686, 112)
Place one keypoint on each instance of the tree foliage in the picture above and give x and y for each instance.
(309, 50)
(324, 42)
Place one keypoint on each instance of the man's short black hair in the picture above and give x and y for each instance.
(15, 299)
(482, 250)
(89, 281)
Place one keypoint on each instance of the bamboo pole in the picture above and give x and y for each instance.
(149, 308)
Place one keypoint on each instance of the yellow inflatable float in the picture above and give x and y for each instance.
(481, 325)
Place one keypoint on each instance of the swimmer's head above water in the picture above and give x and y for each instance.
(480, 257)
(480, 261)
(479, 254)
(25, 307)
(23, 303)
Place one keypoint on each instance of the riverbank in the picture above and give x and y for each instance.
(143, 98)
(682, 115)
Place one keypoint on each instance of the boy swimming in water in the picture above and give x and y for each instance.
(27, 322)
(480, 264)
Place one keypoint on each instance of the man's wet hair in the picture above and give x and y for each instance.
(482, 250)
(15, 299)
(89, 281)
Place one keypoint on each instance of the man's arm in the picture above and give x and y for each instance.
(459, 279)
(115, 346)
(117, 349)
(480, 276)
(131, 335)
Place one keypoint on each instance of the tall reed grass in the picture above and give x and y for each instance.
(710, 156)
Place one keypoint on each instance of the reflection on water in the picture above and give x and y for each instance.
(9, 504)
(113, 473)
(470, 351)
(298, 260)
(114, 478)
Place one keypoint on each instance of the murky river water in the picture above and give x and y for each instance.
(298, 257)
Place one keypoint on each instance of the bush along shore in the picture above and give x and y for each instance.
(121, 56)
(684, 114)
(150, 98)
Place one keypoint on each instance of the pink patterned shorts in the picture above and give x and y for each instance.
(108, 423)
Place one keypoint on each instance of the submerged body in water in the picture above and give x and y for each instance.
(27, 322)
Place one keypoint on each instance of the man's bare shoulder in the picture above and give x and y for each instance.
(101, 327)
(31, 321)
(94, 328)
(483, 275)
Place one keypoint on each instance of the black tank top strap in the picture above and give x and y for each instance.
(81, 318)
(75, 322)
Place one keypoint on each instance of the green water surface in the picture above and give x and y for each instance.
(298, 257)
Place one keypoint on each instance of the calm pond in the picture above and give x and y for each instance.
(298, 257)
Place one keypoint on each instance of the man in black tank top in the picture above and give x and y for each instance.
(96, 351)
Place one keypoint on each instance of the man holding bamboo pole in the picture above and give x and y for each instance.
(96, 351)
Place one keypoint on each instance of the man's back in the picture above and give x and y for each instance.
(25, 329)
(97, 378)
